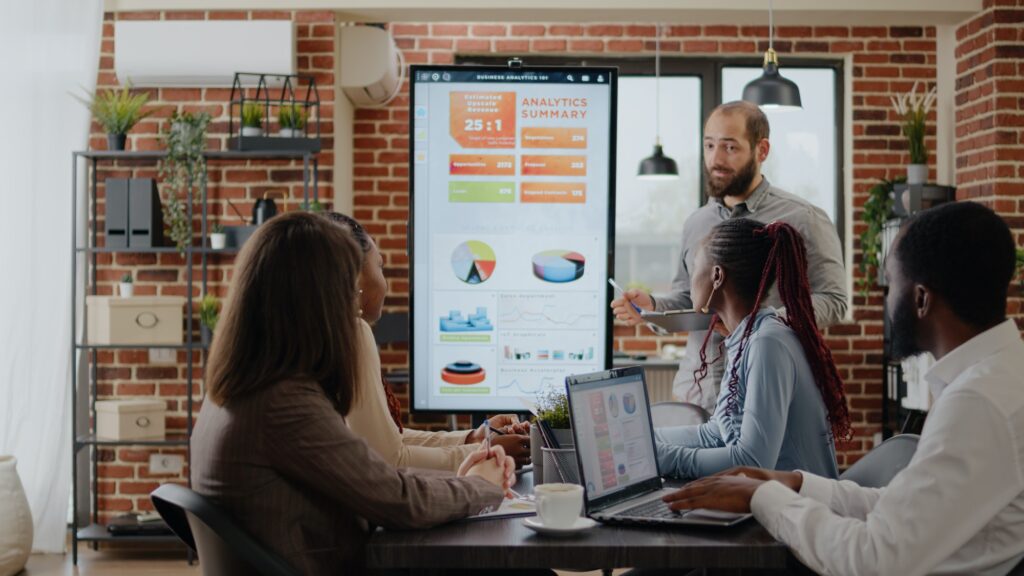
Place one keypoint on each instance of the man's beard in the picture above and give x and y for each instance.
(737, 186)
(904, 321)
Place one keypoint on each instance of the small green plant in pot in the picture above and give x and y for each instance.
(252, 119)
(127, 286)
(218, 239)
(912, 109)
(117, 111)
(209, 314)
(292, 120)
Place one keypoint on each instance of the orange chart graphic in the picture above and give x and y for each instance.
(483, 119)
(553, 193)
(554, 165)
(537, 137)
(482, 165)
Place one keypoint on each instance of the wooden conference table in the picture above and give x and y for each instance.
(507, 543)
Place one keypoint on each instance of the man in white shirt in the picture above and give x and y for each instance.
(958, 507)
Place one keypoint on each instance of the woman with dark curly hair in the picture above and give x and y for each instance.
(781, 404)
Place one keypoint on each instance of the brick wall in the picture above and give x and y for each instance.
(884, 60)
(124, 477)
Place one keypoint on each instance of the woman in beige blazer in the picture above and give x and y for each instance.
(271, 445)
(376, 414)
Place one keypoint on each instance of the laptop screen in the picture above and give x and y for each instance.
(613, 432)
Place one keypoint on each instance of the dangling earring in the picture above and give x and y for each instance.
(706, 307)
(360, 299)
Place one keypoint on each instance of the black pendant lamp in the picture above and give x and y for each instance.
(657, 166)
(771, 90)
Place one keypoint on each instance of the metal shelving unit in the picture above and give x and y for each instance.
(85, 438)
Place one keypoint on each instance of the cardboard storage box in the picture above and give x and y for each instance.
(138, 320)
(130, 419)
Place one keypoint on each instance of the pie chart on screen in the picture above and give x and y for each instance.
(473, 262)
(558, 265)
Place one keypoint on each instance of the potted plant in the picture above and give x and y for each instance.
(218, 239)
(292, 121)
(912, 109)
(315, 206)
(252, 119)
(182, 170)
(127, 287)
(877, 210)
(209, 313)
(117, 111)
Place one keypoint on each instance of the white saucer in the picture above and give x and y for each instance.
(582, 524)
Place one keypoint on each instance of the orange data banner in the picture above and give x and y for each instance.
(537, 137)
(483, 119)
(553, 193)
(482, 165)
(554, 165)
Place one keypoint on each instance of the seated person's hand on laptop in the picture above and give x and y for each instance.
(495, 467)
(730, 490)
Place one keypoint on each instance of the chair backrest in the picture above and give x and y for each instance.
(224, 548)
(878, 467)
(677, 414)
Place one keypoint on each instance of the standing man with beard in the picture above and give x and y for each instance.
(735, 145)
(958, 507)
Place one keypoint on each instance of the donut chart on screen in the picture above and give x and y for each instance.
(558, 265)
(463, 373)
(473, 262)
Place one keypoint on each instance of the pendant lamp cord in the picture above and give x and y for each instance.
(771, 25)
(657, 85)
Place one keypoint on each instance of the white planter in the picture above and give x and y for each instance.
(126, 289)
(218, 240)
(16, 526)
(290, 133)
(917, 174)
(252, 131)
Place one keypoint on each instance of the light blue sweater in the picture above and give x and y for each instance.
(780, 420)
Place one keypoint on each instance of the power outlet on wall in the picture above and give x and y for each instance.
(166, 463)
(162, 356)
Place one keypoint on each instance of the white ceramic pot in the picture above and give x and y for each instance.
(248, 131)
(290, 133)
(218, 240)
(16, 526)
(126, 290)
(917, 174)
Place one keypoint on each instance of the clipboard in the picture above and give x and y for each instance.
(677, 320)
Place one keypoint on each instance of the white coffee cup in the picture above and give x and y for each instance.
(558, 505)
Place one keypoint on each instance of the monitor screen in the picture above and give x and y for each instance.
(512, 214)
(613, 433)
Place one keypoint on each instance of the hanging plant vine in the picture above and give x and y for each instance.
(182, 170)
(877, 209)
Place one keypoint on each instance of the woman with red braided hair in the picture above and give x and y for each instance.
(781, 403)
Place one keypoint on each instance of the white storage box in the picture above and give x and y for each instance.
(141, 320)
(130, 419)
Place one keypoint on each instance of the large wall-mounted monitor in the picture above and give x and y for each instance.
(512, 228)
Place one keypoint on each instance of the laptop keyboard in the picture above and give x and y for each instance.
(653, 509)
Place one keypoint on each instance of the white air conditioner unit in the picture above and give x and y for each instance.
(200, 53)
(372, 67)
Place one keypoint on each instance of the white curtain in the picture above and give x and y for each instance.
(48, 49)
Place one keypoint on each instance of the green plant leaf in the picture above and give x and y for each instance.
(182, 170)
(117, 110)
(877, 209)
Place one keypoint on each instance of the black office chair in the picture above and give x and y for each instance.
(224, 549)
(879, 466)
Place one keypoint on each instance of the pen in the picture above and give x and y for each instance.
(496, 431)
(623, 292)
(487, 437)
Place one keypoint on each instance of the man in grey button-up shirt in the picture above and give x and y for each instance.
(735, 145)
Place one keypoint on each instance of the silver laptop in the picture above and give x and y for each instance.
(611, 426)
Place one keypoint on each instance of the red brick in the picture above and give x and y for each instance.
(226, 15)
(604, 30)
(625, 45)
(449, 29)
(488, 30)
(512, 45)
(730, 31)
(565, 30)
(473, 45)
(549, 45)
(701, 46)
(527, 30)
(586, 45)
(412, 30)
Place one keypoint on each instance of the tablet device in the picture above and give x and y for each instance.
(678, 320)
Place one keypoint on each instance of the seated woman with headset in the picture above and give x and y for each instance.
(376, 415)
(781, 403)
(272, 446)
